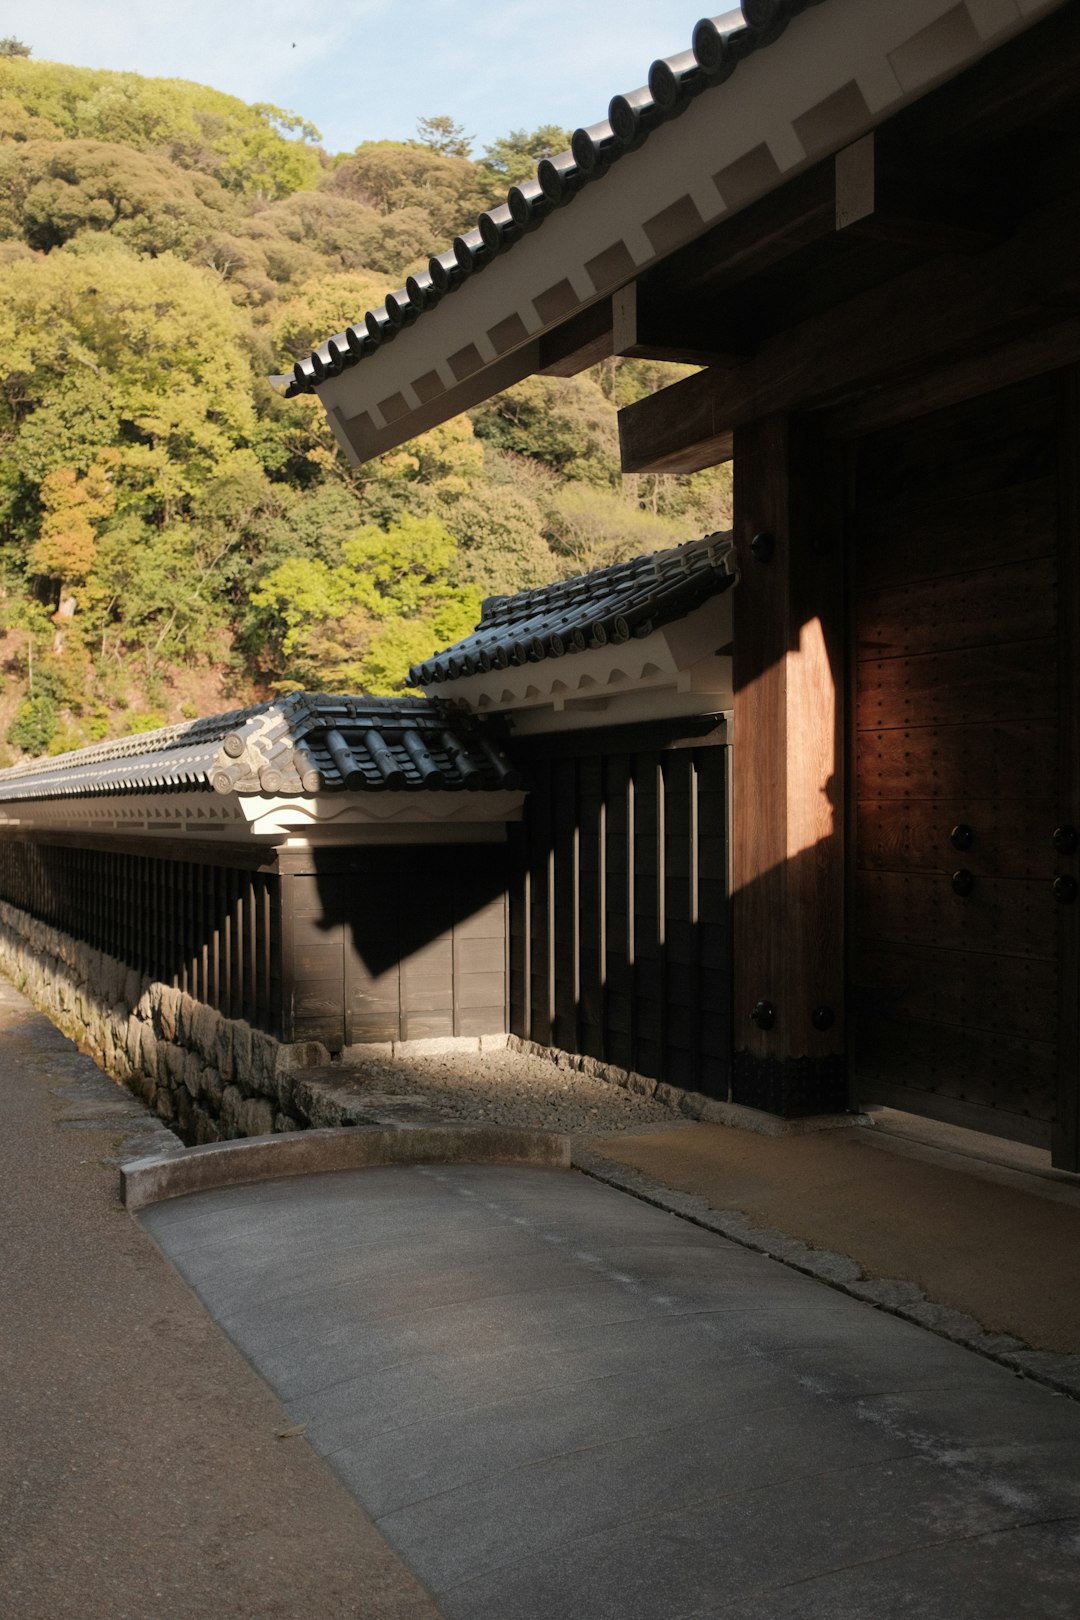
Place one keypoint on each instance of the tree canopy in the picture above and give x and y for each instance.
(174, 536)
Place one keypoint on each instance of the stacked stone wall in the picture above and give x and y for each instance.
(207, 1077)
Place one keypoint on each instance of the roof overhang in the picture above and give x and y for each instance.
(683, 668)
(840, 69)
(319, 818)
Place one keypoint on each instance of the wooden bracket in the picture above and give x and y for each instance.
(650, 324)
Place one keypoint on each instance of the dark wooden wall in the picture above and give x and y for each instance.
(401, 943)
(209, 928)
(620, 943)
(965, 1002)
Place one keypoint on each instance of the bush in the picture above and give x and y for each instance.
(143, 720)
(35, 724)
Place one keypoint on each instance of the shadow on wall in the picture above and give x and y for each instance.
(409, 943)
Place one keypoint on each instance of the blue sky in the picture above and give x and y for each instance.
(367, 69)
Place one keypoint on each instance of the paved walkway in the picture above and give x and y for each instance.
(142, 1476)
(968, 1234)
(559, 1403)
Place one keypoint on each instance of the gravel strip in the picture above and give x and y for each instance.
(510, 1088)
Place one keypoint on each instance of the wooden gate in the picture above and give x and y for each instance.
(619, 914)
(964, 966)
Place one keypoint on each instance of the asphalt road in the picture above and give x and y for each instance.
(559, 1403)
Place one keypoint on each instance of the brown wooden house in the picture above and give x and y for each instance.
(860, 218)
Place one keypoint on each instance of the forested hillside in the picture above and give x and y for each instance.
(174, 536)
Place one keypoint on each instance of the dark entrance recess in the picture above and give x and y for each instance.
(964, 971)
(620, 940)
(402, 942)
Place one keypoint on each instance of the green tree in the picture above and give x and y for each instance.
(594, 527)
(501, 540)
(34, 724)
(514, 157)
(393, 175)
(358, 622)
(52, 190)
(161, 343)
(564, 422)
(10, 46)
(258, 150)
(443, 135)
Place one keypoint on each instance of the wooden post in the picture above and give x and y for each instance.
(788, 818)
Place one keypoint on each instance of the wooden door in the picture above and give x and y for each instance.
(963, 968)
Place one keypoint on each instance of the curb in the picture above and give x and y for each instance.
(352, 1147)
(1059, 1373)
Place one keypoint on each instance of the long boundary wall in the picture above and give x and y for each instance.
(208, 1077)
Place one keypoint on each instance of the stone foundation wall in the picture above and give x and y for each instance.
(208, 1078)
(693, 1104)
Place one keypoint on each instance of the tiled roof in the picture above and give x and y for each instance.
(719, 44)
(301, 744)
(609, 605)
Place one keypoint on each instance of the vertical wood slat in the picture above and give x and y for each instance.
(237, 898)
(251, 960)
(266, 978)
(519, 923)
(213, 992)
(1065, 1142)
(618, 912)
(589, 906)
(191, 889)
(647, 868)
(681, 1021)
(168, 883)
(541, 933)
(144, 914)
(564, 927)
(226, 943)
(180, 891)
(286, 958)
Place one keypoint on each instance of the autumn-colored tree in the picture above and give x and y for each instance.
(67, 545)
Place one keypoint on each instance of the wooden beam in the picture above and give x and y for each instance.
(1029, 356)
(760, 235)
(936, 313)
(1030, 82)
(643, 331)
(582, 341)
(911, 205)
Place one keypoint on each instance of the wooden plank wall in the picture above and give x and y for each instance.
(210, 930)
(406, 943)
(959, 691)
(619, 913)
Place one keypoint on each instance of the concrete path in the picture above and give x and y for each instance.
(1000, 1245)
(559, 1403)
(146, 1472)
